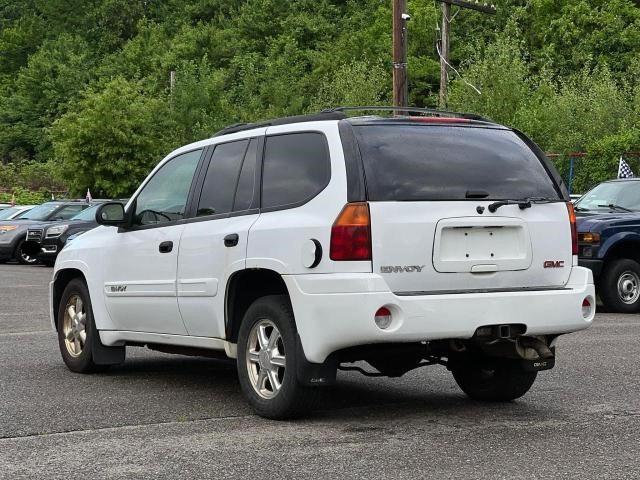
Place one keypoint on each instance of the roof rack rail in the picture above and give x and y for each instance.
(338, 113)
(431, 111)
(315, 117)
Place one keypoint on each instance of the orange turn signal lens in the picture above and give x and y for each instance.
(589, 237)
(351, 233)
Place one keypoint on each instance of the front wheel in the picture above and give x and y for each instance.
(619, 285)
(24, 255)
(78, 338)
(267, 360)
(493, 380)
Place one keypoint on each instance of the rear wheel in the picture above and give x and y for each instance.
(619, 285)
(493, 380)
(267, 360)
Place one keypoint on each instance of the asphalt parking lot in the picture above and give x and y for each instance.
(165, 416)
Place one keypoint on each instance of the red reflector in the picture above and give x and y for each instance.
(383, 312)
(586, 303)
(351, 234)
(574, 232)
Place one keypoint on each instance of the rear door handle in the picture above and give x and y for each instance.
(166, 247)
(231, 240)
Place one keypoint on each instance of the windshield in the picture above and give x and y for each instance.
(413, 163)
(621, 194)
(9, 212)
(41, 212)
(87, 213)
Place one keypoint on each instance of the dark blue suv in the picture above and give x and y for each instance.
(609, 241)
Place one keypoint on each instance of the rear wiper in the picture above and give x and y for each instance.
(580, 209)
(613, 206)
(522, 203)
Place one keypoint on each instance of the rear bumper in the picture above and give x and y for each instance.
(328, 321)
(594, 265)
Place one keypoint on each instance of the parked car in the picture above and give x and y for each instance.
(303, 244)
(13, 233)
(609, 241)
(17, 211)
(4, 206)
(45, 241)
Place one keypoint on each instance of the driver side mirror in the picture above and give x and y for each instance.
(111, 214)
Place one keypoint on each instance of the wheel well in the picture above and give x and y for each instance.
(243, 289)
(59, 284)
(627, 249)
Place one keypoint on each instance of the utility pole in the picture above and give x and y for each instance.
(444, 54)
(445, 40)
(400, 19)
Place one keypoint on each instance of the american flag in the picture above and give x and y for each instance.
(624, 170)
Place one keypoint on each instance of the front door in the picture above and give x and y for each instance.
(141, 262)
(214, 247)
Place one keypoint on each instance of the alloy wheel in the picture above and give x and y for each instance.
(74, 326)
(265, 357)
(28, 259)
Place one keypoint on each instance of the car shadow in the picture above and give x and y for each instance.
(351, 396)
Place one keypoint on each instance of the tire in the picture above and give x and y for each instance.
(79, 354)
(493, 380)
(619, 286)
(273, 317)
(22, 257)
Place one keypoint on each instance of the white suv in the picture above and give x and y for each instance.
(303, 244)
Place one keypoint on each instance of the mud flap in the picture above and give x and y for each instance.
(314, 374)
(107, 355)
(538, 365)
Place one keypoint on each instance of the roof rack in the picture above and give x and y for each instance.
(429, 111)
(338, 113)
(324, 115)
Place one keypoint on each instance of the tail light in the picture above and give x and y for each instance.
(574, 232)
(351, 233)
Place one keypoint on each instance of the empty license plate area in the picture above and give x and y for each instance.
(474, 245)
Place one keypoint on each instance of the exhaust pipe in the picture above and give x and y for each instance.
(534, 343)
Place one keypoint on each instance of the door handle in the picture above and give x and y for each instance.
(166, 247)
(231, 240)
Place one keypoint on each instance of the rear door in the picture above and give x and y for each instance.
(214, 243)
(430, 187)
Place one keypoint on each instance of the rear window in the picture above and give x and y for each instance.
(296, 168)
(420, 162)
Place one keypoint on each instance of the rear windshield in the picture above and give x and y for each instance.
(425, 162)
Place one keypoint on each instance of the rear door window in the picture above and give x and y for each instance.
(296, 168)
(221, 178)
(246, 190)
(423, 162)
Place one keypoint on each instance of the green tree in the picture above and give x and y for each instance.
(111, 140)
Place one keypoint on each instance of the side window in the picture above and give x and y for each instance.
(296, 168)
(246, 189)
(69, 211)
(164, 197)
(221, 178)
